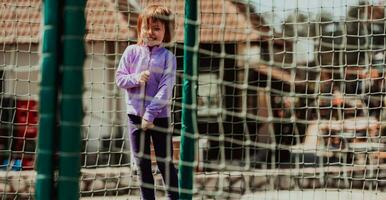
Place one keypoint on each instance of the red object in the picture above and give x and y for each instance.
(26, 120)
(28, 164)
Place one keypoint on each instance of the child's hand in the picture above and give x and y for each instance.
(146, 124)
(144, 76)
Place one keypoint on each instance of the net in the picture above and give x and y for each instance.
(290, 99)
(19, 69)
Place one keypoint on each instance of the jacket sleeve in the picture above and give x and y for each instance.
(123, 78)
(165, 90)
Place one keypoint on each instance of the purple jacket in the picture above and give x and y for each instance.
(162, 66)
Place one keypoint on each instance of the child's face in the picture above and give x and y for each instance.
(153, 32)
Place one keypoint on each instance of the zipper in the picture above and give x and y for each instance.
(143, 87)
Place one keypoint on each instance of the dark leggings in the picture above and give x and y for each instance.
(163, 147)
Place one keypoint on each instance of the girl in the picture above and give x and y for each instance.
(147, 73)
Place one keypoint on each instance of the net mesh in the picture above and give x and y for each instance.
(19, 56)
(290, 99)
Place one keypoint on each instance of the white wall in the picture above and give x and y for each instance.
(20, 64)
(105, 112)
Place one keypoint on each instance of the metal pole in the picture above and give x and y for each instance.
(48, 101)
(187, 145)
(71, 115)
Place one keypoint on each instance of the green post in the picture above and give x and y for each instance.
(187, 146)
(71, 115)
(48, 101)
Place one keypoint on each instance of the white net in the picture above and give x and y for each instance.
(19, 69)
(290, 99)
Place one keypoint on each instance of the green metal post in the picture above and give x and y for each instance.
(48, 101)
(71, 99)
(186, 165)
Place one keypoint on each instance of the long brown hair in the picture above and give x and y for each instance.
(154, 13)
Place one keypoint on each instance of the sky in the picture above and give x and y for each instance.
(281, 8)
(275, 11)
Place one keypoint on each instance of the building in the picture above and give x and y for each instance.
(233, 39)
(107, 33)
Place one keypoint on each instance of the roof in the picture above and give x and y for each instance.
(20, 21)
(112, 20)
(104, 22)
(220, 20)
